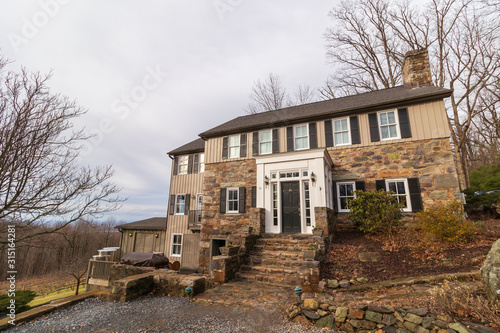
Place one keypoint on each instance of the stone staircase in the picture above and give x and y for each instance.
(279, 259)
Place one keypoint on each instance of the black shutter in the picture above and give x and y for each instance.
(404, 123)
(243, 145)
(186, 204)
(223, 192)
(172, 205)
(276, 147)
(176, 165)
(374, 133)
(289, 138)
(196, 166)
(335, 204)
(190, 164)
(254, 196)
(313, 137)
(255, 144)
(225, 150)
(380, 184)
(241, 199)
(360, 185)
(415, 196)
(328, 133)
(355, 136)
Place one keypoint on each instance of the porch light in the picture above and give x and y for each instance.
(156, 235)
(313, 176)
(130, 234)
(266, 180)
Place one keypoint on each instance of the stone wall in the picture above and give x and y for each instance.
(242, 173)
(371, 318)
(429, 160)
(325, 219)
(490, 272)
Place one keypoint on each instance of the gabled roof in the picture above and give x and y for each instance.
(154, 223)
(195, 146)
(370, 101)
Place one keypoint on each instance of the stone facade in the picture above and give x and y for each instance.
(429, 160)
(227, 226)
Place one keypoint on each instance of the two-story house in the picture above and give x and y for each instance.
(290, 170)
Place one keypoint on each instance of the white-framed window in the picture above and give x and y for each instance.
(388, 124)
(345, 191)
(341, 132)
(234, 146)
(232, 200)
(176, 249)
(183, 165)
(401, 191)
(265, 142)
(201, 161)
(301, 137)
(180, 202)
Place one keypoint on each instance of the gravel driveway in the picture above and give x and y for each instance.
(158, 314)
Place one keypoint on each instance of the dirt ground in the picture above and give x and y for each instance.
(404, 256)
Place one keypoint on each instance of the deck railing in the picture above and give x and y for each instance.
(194, 219)
(99, 269)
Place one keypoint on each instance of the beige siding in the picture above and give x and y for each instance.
(142, 241)
(191, 184)
(320, 129)
(427, 121)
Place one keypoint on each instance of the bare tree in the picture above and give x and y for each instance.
(272, 95)
(370, 38)
(40, 178)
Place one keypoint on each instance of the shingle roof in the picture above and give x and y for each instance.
(385, 98)
(154, 223)
(197, 145)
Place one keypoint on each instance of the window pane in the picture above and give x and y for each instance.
(300, 131)
(344, 124)
(342, 190)
(343, 203)
(392, 187)
(385, 132)
(401, 188)
(345, 137)
(393, 131)
(301, 143)
(349, 189)
(383, 119)
(265, 136)
(338, 138)
(265, 148)
(391, 117)
(234, 140)
(338, 126)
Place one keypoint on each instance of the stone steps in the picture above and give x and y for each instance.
(278, 279)
(279, 259)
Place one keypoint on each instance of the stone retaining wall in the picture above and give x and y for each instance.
(369, 318)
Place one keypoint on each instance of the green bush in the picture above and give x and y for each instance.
(486, 177)
(22, 298)
(375, 211)
(445, 224)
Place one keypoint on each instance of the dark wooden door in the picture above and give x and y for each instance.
(290, 206)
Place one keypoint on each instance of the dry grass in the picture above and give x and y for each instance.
(466, 301)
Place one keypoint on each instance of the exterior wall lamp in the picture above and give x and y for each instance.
(130, 234)
(266, 180)
(156, 235)
(313, 176)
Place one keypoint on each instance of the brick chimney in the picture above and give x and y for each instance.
(416, 69)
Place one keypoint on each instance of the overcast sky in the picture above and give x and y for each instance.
(155, 74)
